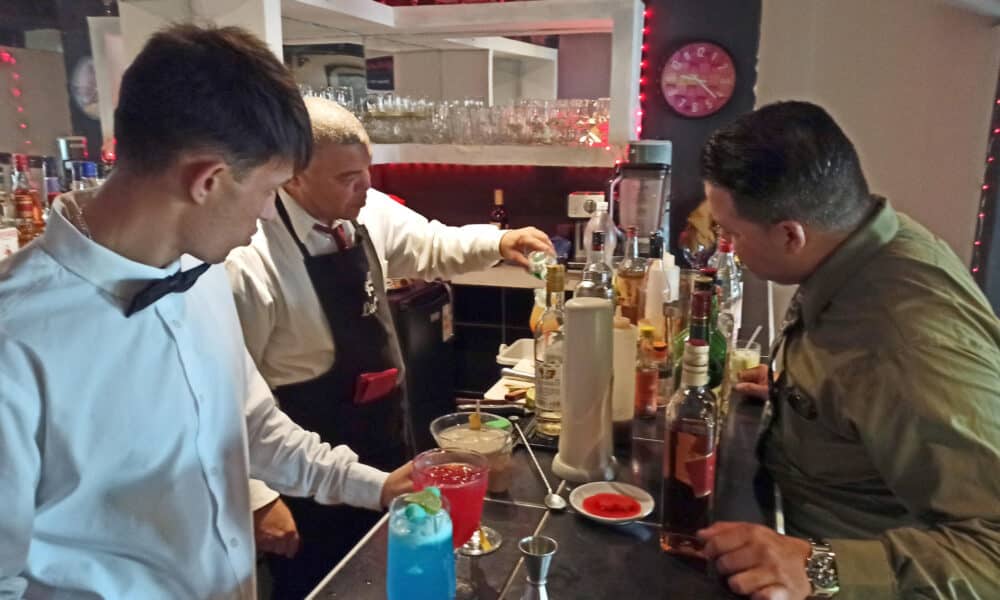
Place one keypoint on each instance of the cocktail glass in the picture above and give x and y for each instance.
(462, 476)
(421, 561)
(494, 439)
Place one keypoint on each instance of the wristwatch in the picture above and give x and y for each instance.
(821, 569)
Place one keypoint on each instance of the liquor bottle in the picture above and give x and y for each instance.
(629, 276)
(498, 216)
(597, 279)
(655, 289)
(702, 327)
(647, 375)
(665, 381)
(720, 329)
(730, 280)
(601, 221)
(689, 456)
(549, 352)
(26, 203)
(8, 213)
(625, 344)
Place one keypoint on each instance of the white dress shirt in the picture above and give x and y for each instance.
(124, 442)
(283, 323)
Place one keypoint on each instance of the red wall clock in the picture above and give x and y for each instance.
(698, 79)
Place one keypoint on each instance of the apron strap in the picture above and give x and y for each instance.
(283, 213)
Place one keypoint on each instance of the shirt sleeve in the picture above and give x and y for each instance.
(254, 300)
(295, 462)
(935, 440)
(20, 466)
(416, 247)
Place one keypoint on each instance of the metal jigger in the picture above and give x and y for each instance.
(537, 551)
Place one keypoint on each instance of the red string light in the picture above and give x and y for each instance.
(7, 58)
(647, 15)
(987, 196)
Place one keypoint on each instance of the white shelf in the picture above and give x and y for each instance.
(411, 28)
(547, 156)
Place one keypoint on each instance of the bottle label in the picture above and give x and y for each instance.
(549, 375)
(694, 462)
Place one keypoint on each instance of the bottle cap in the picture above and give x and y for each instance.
(90, 170)
(647, 331)
(725, 245)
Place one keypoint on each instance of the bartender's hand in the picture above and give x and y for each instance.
(517, 244)
(753, 382)
(274, 529)
(757, 561)
(399, 482)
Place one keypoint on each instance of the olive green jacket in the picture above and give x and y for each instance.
(886, 435)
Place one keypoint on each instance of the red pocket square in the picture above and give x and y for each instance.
(374, 386)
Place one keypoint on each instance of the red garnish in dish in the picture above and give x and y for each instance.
(611, 506)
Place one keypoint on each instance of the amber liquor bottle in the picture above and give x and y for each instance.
(689, 453)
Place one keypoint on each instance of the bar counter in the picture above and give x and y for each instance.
(594, 561)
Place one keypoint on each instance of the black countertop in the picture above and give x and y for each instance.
(594, 560)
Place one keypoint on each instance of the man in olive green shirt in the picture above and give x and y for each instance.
(882, 432)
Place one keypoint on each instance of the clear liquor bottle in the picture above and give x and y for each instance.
(629, 277)
(549, 353)
(26, 203)
(597, 279)
(689, 454)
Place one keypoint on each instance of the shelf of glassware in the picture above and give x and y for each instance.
(540, 156)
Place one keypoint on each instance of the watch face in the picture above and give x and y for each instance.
(698, 79)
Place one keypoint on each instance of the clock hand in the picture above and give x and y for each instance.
(700, 82)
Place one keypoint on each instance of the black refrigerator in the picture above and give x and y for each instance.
(424, 320)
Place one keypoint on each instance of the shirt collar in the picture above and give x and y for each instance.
(91, 261)
(302, 221)
(849, 258)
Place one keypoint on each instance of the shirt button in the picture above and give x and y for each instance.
(234, 543)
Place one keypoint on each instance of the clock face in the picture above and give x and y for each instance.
(698, 79)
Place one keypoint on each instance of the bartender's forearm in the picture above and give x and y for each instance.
(296, 462)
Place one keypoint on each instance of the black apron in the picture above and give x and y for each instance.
(349, 286)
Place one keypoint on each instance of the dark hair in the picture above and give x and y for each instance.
(789, 161)
(216, 89)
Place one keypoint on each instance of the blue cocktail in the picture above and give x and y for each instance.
(421, 563)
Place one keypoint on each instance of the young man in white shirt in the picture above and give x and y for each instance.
(131, 414)
(310, 294)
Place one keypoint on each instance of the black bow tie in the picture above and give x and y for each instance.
(179, 282)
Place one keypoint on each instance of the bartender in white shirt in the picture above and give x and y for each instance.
(131, 414)
(310, 293)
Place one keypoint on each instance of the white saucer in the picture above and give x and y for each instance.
(581, 493)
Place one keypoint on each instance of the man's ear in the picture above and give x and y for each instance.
(204, 177)
(793, 236)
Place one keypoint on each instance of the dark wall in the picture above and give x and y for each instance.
(72, 15)
(732, 24)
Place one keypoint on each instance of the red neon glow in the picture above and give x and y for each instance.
(989, 159)
(15, 76)
(20, 109)
(16, 92)
(23, 125)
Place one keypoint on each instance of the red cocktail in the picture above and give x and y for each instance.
(461, 476)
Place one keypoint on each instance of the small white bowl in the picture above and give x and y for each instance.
(581, 493)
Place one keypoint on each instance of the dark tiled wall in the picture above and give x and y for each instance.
(462, 195)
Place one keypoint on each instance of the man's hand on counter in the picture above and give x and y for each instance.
(517, 244)
(758, 561)
(274, 529)
(753, 382)
(399, 482)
